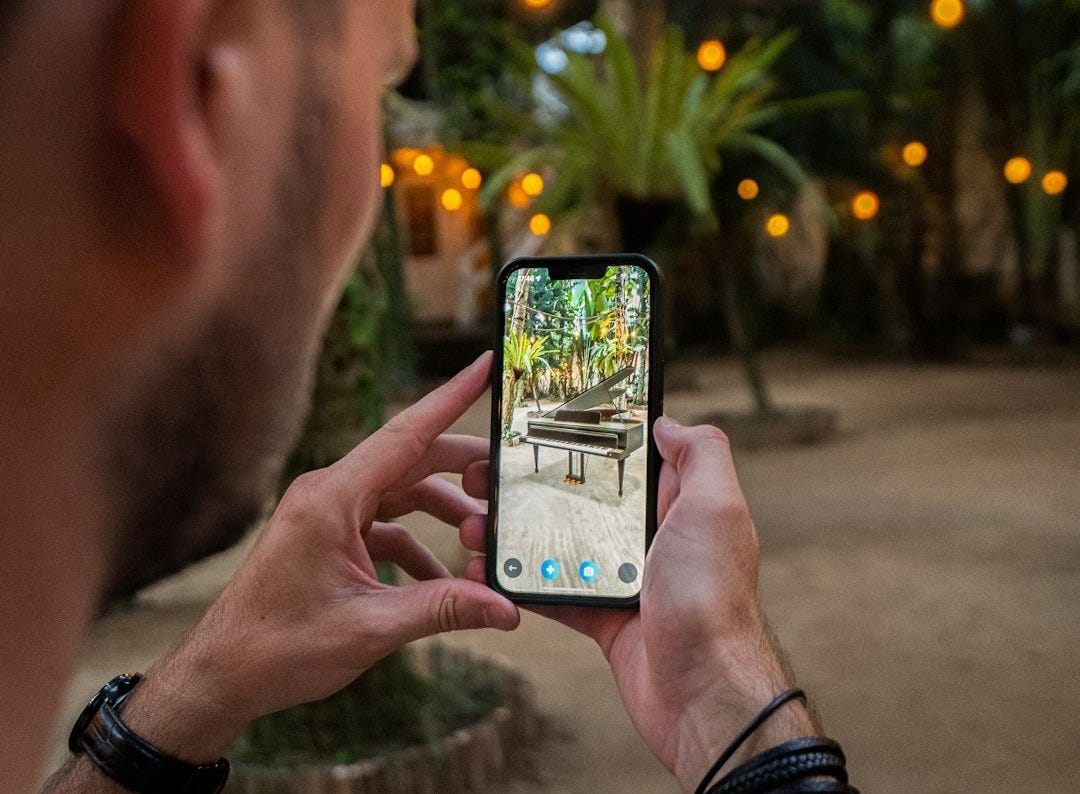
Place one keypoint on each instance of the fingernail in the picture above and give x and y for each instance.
(494, 619)
(665, 422)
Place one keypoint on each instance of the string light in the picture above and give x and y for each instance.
(1017, 170)
(386, 175)
(777, 225)
(865, 205)
(471, 179)
(423, 165)
(532, 184)
(748, 189)
(540, 224)
(947, 13)
(517, 197)
(711, 55)
(451, 200)
(1055, 182)
(914, 153)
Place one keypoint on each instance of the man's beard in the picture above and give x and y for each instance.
(197, 453)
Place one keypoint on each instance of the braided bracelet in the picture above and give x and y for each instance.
(771, 708)
(798, 765)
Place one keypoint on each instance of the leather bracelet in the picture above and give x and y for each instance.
(797, 765)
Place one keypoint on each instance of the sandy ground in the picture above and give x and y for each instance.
(923, 570)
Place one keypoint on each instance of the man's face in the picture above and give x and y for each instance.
(202, 445)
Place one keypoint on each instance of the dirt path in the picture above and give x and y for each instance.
(923, 570)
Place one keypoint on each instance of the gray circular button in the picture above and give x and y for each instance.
(628, 572)
(512, 567)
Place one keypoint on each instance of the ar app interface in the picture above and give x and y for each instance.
(574, 416)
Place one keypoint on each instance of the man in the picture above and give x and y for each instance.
(183, 186)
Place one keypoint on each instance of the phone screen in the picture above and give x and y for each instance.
(573, 459)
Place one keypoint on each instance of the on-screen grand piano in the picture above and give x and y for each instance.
(588, 425)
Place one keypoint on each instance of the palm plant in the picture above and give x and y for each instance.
(642, 147)
(661, 138)
(524, 358)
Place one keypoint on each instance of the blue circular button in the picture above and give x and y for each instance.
(589, 571)
(550, 569)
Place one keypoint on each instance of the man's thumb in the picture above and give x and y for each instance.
(440, 605)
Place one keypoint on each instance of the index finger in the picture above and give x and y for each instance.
(389, 453)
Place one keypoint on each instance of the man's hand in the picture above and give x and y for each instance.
(305, 614)
(697, 662)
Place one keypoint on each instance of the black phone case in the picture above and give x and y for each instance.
(576, 266)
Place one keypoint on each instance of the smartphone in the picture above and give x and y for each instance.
(577, 385)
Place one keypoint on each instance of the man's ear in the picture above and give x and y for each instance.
(167, 77)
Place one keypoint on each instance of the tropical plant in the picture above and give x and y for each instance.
(661, 138)
(642, 148)
(523, 358)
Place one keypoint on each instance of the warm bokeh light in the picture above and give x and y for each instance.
(451, 200)
(532, 184)
(537, 5)
(517, 197)
(471, 179)
(947, 13)
(748, 189)
(914, 153)
(1017, 170)
(404, 157)
(386, 175)
(777, 225)
(540, 224)
(865, 205)
(423, 165)
(1055, 182)
(711, 55)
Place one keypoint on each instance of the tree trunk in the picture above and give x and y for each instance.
(640, 21)
(740, 339)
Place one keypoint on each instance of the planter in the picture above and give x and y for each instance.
(467, 760)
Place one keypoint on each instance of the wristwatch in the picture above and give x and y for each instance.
(129, 759)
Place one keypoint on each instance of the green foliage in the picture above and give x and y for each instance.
(388, 708)
(477, 70)
(661, 137)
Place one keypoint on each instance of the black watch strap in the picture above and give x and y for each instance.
(132, 761)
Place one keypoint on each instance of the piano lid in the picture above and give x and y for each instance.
(603, 392)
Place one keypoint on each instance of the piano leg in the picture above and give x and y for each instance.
(575, 473)
(622, 470)
(536, 458)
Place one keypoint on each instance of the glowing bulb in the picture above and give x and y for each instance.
(386, 175)
(471, 179)
(540, 224)
(404, 157)
(947, 13)
(423, 165)
(537, 5)
(451, 200)
(532, 184)
(748, 189)
(1017, 170)
(865, 205)
(1054, 183)
(517, 197)
(778, 225)
(711, 55)
(915, 153)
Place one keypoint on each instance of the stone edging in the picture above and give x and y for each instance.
(465, 761)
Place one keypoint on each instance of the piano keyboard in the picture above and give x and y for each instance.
(573, 446)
